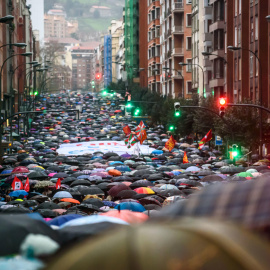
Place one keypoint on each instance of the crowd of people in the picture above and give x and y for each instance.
(65, 204)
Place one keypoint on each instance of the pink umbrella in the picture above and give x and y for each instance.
(52, 174)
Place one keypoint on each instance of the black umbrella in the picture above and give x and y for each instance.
(37, 175)
(16, 210)
(171, 192)
(15, 228)
(126, 194)
(78, 182)
(88, 206)
(141, 183)
(47, 213)
(210, 178)
(91, 191)
(54, 168)
(47, 205)
(94, 201)
(60, 175)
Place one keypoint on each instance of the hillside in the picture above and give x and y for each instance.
(90, 22)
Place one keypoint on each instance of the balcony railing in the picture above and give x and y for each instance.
(178, 29)
(178, 6)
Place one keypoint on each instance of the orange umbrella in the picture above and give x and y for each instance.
(114, 172)
(126, 215)
(70, 200)
(144, 190)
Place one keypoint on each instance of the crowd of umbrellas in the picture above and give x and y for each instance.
(127, 211)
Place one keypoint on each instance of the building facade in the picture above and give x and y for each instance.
(153, 53)
(107, 60)
(176, 47)
(81, 67)
(241, 73)
(201, 42)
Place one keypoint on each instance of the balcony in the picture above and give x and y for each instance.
(207, 37)
(178, 29)
(216, 25)
(178, 51)
(216, 83)
(178, 7)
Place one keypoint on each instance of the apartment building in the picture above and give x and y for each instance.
(238, 74)
(56, 25)
(81, 67)
(153, 54)
(201, 42)
(176, 46)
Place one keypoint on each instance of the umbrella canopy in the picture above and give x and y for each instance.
(132, 206)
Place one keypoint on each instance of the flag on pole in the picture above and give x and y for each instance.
(58, 183)
(185, 159)
(205, 139)
(140, 132)
(130, 141)
(127, 130)
(17, 184)
(26, 185)
(170, 143)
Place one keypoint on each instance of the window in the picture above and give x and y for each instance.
(251, 66)
(189, 87)
(256, 28)
(239, 69)
(189, 20)
(189, 65)
(188, 46)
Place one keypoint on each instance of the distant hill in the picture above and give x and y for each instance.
(90, 22)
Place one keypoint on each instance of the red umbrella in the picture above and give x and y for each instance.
(20, 169)
(117, 111)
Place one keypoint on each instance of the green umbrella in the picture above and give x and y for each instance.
(245, 174)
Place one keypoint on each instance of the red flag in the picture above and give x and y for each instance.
(170, 143)
(127, 130)
(205, 139)
(26, 185)
(17, 184)
(140, 132)
(58, 183)
(185, 159)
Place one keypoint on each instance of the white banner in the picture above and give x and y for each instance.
(82, 148)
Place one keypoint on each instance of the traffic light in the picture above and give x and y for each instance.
(177, 112)
(137, 111)
(35, 93)
(222, 106)
(235, 152)
(129, 105)
(93, 84)
(104, 92)
(171, 128)
(98, 76)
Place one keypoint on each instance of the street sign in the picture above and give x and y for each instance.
(218, 141)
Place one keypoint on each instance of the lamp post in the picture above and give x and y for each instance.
(233, 48)
(1, 98)
(186, 64)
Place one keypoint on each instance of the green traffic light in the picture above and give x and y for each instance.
(104, 93)
(35, 93)
(234, 153)
(171, 128)
(177, 114)
(129, 105)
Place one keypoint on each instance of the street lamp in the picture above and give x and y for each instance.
(233, 49)
(208, 54)
(7, 19)
(1, 99)
(19, 45)
(186, 64)
(268, 18)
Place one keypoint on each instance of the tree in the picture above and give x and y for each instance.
(96, 14)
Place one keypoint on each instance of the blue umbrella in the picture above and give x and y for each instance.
(123, 168)
(96, 158)
(6, 171)
(132, 206)
(93, 220)
(109, 203)
(59, 221)
(157, 152)
(17, 193)
(62, 194)
(115, 162)
(84, 176)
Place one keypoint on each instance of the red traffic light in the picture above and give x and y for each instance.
(98, 76)
(222, 101)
